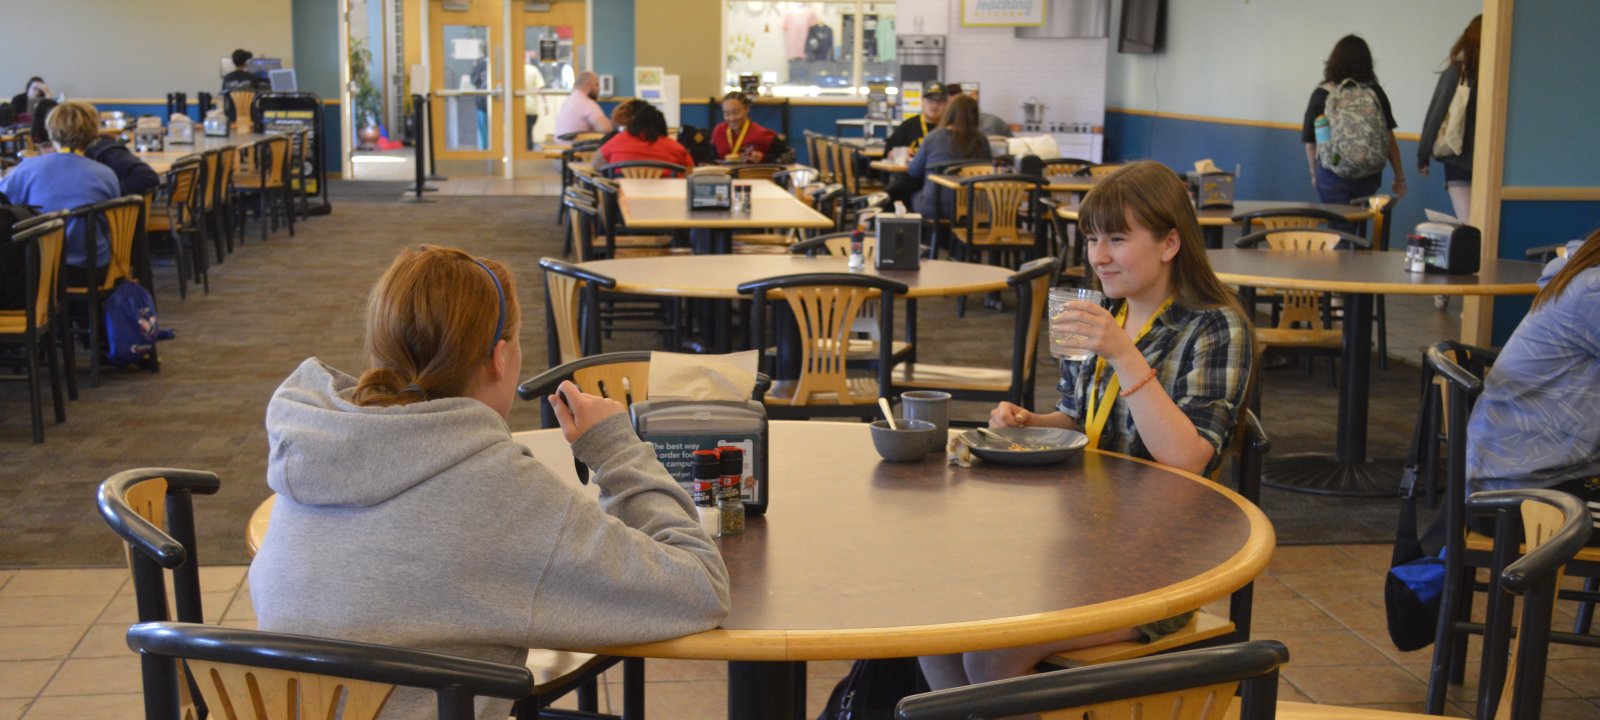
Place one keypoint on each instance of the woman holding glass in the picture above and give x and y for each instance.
(1172, 355)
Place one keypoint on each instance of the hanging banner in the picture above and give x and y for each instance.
(1002, 13)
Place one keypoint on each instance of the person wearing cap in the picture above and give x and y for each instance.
(911, 132)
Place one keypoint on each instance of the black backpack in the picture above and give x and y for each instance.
(873, 688)
(698, 143)
(13, 257)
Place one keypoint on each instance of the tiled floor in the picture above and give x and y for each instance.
(62, 653)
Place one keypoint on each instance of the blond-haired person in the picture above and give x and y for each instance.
(65, 179)
(407, 515)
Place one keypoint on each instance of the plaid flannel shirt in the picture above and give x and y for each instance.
(1202, 360)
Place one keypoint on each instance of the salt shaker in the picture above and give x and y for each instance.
(707, 477)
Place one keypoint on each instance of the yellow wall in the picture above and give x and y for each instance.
(685, 37)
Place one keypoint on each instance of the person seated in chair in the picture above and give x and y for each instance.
(645, 139)
(64, 180)
(240, 78)
(1172, 358)
(1535, 424)
(408, 516)
(738, 138)
(957, 138)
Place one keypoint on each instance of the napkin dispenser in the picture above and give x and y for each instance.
(180, 130)
(899, 241)
(710, 191)
(216, 124)
(1451, 248)
(1211, 189)
(677, 428)
(149, 139)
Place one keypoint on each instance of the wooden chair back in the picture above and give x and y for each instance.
(826, 316)
(964, 172)
(283, 695)
(571, 309)
(762, 171)
(183, 183)
(1380, 205)
(123, 217)
(1309, 240)
(844, 166)
(1301, 308)
(624, 382)
(822, 156)
(211, 176)
(242, 100)
(45, 239)
(1033, 291)
(838, 245)
(1100, 171)
(644, 170)
(1065, 167)
(274, 166)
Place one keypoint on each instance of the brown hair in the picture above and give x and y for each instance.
(1464, 54)
(1586, 256)
(1351, 59)
(431, 324)
(736, 95)
(74, 125)
(961, 120)
(1158, 200)
(623, 114)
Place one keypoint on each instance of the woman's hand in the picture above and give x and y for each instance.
(1399, 187)
(578, 411)
(1423, 169)
(1009, 415)
(1093, 328)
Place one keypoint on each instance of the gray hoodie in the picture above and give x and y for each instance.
(426, 526)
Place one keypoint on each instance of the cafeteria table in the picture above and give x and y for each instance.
(1359, 276)
(1213, 220)
(662, 204)
(859, 558)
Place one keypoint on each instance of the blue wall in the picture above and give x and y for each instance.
(1554, 95)
(612, 36)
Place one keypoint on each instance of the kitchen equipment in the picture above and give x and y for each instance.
(1033, 111)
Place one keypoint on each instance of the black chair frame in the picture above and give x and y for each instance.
(92, 214)
(612, 170)
(51, 338)
(588, 310)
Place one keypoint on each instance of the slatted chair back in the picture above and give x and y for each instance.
(813, 154)
(1279, 218)
(756, 171)
(1307, 240)
(644, 170)
(836, 245)
(122, 217)
(273, 676)
(46, 237)
(1100, 171)
(183, 185)
(997, 201)
(825, 307)
(1382, 207)
(844, 167)
(965, 171)
(571, 311)
(1032, 282)
(242, 100)
(274, 171)
(210, 176)
(1065, 167)
(1301, 308)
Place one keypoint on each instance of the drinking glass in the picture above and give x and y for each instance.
(1058, 299)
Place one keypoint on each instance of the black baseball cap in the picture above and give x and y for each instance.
(934, 90)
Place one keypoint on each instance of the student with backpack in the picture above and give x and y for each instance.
(1349, 128)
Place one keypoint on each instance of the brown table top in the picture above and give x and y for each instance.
(719, 276)
(663, 205)
(161, 161)
(1222, 217)
(869, 147)
(1381, 273)
(859, 558)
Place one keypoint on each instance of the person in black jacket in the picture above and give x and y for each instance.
(240, 78)
(134, 176)
(910, 133)
(36, 88)
(1457, 167)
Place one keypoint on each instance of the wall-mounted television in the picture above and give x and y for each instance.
(1142, 22)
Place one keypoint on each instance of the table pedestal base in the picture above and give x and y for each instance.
(766, 690)
(1322, 474)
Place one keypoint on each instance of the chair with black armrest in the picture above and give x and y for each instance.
(152, 510)
(1014, 384)
(206, 204)
(571, 299)
(642, 170)
(123, 218)
(620, 376)
(1065, 167)
(244, 673)
(1302, 323)
(177, 218)
(583, 152)
(824, 307)
(37, 327)
(1462, 368)
(608, 226)
(242, 103)
(863, 349)
(270, 183)
(1097, 171)
(1193, 685)
(999, 217)
(771, 237)
(1291, 217)
(1382, 207)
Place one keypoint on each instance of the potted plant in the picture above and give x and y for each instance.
(364, 97)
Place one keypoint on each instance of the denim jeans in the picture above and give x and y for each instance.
(1335, 190)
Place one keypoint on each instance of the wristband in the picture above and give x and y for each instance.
(1139, 384)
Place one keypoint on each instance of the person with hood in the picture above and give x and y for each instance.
(408, 516)
(134, 176)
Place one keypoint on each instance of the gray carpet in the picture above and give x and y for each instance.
(273, 304)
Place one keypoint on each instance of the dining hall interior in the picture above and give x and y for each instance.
(764, 359)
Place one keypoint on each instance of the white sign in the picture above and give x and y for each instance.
(1002, 13)
(466, 49)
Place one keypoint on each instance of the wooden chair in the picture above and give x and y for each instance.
(600, 234)
(995, 205)
(1200, 684)
(1302, 322)
(285, 677)
(207, 205)
(270, 183)
(243, 102)
(152, 510)
(1065, 167)
(643, 170)
(756, 171)
(226, 205)
(1100, 171)
(178, 219)
(579, 153)
(825, 306)
(299, 177)
(1463, 367)
(571, 310)
(37, 327)
(1278, 218)
(123, 217)
(863, 350)
(1014, 384)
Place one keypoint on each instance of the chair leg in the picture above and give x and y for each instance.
(589, 696)
(184, 263)
(49, 347)
(288, 208)
(35, 403)
(261, 205)
(1585, 620)
(68, 355)
(94, 339)
(1383, 334)
(633, 689)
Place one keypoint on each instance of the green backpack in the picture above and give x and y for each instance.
(1358, 143)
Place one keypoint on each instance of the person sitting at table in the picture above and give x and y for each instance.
(738, 138)
(645, 139)
(1534, 426)
(620, 115)
(1173, 352)
(910, 132)
(65, 179)
(37, 129)
(35, 89)
(408, 515)
(580, 113)
(990, 125)
(240, 78)
(134, 176)
(956, 139)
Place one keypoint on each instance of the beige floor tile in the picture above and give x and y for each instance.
(1293, 614)
(45, 642)
(123, 706)
(94, 581)
(1351, 685)
(12, 709)
(241, 608)
(1379, 638)
(1326, 647)
(1310, 558)
(1336, 584)
(5, 577)
(96, 676)
(1569, 709)
(48, 610)
(1581, 675)
(1374, 556)
(25, 678)
(830, 669)
(1467, 692)
(1287, 692)
(817, 691)
(1357, 611)
(1417, 707)
(103, 641)
(700, 699)
(675, 671)
(124, 611)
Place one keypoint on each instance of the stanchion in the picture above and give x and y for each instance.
(433, 158)
(424, 135)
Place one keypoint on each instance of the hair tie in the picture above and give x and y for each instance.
(500, 324)
(415, 388)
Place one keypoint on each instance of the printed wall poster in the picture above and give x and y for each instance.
(1002, 13)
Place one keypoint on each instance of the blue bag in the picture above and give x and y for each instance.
(131, 329)
(1413, 590)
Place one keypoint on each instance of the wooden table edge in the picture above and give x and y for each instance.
(731, 294)
(1351, 286)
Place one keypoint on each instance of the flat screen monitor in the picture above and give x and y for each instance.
(1141, 27)
(283, 80)
(262, 66)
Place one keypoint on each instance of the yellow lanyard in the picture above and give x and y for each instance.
(1100, 411)
(733, 145)
(922, 120)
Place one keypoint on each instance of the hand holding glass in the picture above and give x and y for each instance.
(1061, 342)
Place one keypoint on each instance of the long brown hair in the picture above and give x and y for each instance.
(1586, 256)
(961, 120)
(1464, 54)
(1351, 59)
(1158, 200)
(431, 325)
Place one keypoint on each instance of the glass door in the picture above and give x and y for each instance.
(549, 45)
(468, 83)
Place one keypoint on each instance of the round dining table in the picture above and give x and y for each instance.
(1359, 276)
(860, 558)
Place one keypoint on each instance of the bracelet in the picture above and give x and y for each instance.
(1139, 384)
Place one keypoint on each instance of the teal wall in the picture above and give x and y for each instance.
(612, 36)
(316, 65)
(1555, 95)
